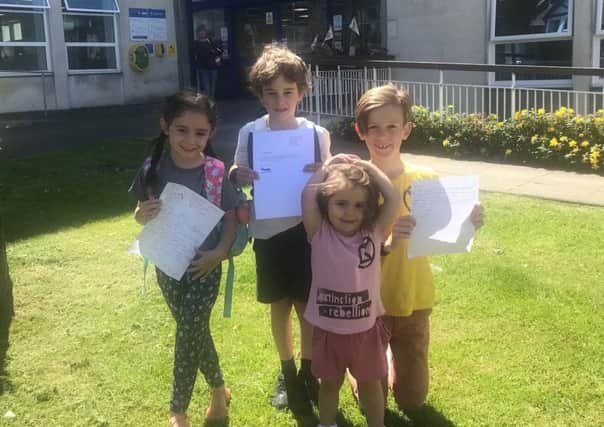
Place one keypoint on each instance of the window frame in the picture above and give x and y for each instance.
(114, 44)
(532, 37)
(110, 11)
(597, 43)
(45, 44)
(527, 38)
(23, 6)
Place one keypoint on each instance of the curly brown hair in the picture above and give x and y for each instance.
(346, 176)
(278, 61)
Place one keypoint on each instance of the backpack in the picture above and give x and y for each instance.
(214, 174)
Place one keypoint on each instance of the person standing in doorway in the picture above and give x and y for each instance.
(208, 58)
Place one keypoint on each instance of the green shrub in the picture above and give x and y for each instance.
(559, 139)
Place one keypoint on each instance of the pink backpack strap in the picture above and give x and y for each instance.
(214, 173)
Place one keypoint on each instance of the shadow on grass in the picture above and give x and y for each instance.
(217, 423)
(306, 420)
(342, 421)
(5, 383)
(426, 416)
(67, 188)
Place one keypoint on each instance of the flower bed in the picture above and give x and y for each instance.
(561, 139)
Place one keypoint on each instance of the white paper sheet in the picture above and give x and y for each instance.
(185, 220)
(279, 158)
(442, 208)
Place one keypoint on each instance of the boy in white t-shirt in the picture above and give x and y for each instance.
(283, 276)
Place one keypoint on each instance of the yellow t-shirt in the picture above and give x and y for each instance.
(407, 284)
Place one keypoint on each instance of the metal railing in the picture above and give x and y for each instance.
(335, 92)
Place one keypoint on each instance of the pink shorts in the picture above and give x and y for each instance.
(364, 354)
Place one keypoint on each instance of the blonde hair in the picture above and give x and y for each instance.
(343, 177)
(380, 97)
(278, 61)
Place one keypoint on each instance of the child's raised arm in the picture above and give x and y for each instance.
(311, 215)
(392, 197)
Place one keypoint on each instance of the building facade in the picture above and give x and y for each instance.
(519, 32)
(81, 53)
(61, 54)
(309, 27)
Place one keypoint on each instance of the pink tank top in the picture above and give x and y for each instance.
(345, 292)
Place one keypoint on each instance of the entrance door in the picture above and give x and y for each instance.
(215, 23)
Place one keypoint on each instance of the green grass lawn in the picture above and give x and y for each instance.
(517, 332)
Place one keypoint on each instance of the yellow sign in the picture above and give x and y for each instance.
(160, 50)
(138, 57)
(171, 49)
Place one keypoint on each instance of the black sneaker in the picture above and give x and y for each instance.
(279, 399)
(297, 397)
(311, 384)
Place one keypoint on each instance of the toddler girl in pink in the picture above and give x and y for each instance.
(346, 227)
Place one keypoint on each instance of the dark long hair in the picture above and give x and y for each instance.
(174, 106)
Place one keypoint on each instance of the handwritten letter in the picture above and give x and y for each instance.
(442, 208)
(184, 221)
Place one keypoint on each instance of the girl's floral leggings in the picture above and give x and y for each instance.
(191, 302)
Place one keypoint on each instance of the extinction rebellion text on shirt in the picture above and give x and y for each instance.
(343, 305)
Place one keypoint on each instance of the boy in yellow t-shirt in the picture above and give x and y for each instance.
(383, 122)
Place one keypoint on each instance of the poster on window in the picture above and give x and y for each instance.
(148, 24)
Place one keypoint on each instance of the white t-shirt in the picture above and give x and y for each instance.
(267, 228)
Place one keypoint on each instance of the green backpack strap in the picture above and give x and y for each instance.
(214, 173)
(228, 289)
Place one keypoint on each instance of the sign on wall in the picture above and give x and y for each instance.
(148, 24)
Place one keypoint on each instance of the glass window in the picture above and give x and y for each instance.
(90, 41)
(23, 45)
(91, 58)
(252, 31)
(524, 17)
(22, 58)
(88, 28)
(368, 18)
(29, 4)
(532, 32)
(92, 5)
(299, 25)
(21, 27)
(598, 45)
(552, 53)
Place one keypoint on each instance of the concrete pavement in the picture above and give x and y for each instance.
(522, 180)
(529, 181)
(23, 135)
